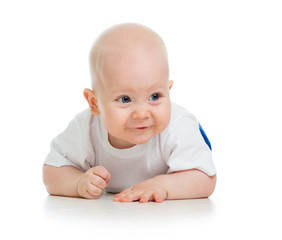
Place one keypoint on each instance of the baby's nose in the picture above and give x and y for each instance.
(140, 112)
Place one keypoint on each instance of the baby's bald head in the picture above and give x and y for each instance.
(123, 43)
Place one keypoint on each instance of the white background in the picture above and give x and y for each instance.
(226, 63)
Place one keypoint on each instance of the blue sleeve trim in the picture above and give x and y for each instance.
(205, 136)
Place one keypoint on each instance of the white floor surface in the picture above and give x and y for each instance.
(232, 214)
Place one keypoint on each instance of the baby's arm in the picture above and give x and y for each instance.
(177, 185)
(69, 181)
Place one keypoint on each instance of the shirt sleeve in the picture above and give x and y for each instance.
(73, 146)
(187, 148)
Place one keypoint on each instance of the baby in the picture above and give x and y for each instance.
(133, 141)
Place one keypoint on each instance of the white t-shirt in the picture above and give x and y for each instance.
(181, 146)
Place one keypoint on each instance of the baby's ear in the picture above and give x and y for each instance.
(170, 83)
(92, 101)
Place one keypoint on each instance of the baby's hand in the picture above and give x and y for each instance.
(149, 190)
(92, 182)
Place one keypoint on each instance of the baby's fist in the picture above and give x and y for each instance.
(92, 182)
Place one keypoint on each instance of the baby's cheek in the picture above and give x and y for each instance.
(161, 125)
(162, 116)
(113, 123)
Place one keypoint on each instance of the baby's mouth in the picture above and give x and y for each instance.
(141, 128)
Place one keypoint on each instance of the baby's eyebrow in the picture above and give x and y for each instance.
(157, 88)
(130, 91)
(120, 91)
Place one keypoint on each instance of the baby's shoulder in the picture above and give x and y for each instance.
(179, 113)
(83, 117)
(181, 127)
(181, 122)
(85, 120)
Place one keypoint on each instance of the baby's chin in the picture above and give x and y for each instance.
(138, 140)
(132, 138)
(123, 143)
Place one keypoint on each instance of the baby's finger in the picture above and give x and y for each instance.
(131, 196)
(98, 182)
(158, 198)
(146, 197)
(134, 196)
(89, 195)
(121, 198)
(124, 196)
(94, 191)
(84, 192)
(102, 172)
(125, 191)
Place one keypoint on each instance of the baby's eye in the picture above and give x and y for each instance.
(154, 97)
(124, 99)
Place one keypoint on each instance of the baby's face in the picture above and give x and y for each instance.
(133, 97)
